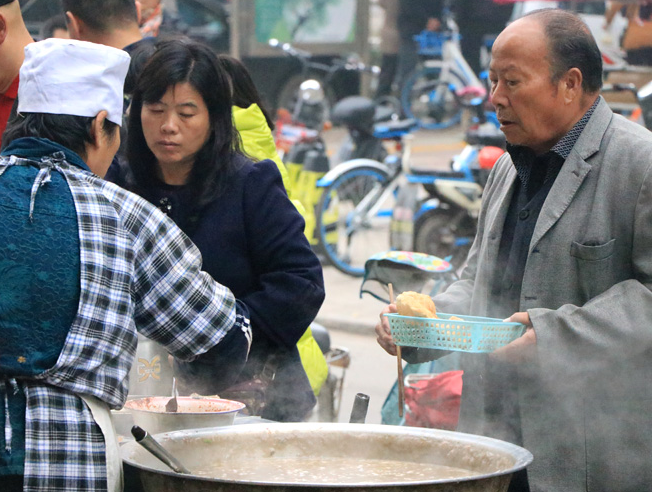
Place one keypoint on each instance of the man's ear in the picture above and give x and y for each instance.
(74, 26)
(3, 28)
(97, 149)
(97, 126)
(139, 11)
(572, 85)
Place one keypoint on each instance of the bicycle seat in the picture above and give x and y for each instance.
(321, 336)
(393, 129)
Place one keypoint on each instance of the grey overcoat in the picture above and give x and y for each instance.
(586, 400)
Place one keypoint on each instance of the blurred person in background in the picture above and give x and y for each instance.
(85, 266)
(183, 155)
(108, 22)
(55, 27)
(251, 117)
(389, 43)
(563, 247)
(151, 17)
(477, 20)
(156, 19)
(637, 38)
(413, 17)
(14, 36)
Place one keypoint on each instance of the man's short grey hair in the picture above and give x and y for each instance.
(571, 45)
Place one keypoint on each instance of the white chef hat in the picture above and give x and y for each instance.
(66, 76)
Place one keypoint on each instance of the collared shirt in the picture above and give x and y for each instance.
(137, 271)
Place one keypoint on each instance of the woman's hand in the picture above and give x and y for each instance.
(522, 348)
(384, 335)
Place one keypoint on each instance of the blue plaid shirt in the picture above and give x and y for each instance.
(138, 272)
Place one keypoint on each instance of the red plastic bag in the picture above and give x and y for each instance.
(433, 400)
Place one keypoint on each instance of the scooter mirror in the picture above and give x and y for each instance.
(311, 91)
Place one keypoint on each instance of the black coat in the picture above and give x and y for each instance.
(251, 240)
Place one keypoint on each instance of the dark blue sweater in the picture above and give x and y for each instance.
(251, 239)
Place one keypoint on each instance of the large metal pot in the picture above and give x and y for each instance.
(491, 462)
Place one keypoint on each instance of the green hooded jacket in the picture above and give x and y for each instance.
(258, 143)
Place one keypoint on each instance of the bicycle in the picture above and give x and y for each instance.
(359, 196)
(356, 202)
(436, 93)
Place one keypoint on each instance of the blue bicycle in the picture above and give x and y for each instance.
(436, 93)
(359, 199)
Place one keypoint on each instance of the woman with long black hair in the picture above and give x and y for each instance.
(183, 153)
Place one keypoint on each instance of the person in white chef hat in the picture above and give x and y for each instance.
(84, 266)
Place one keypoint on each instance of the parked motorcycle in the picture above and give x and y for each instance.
(324, 73)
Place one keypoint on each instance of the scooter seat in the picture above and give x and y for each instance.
(395, 128)
(383, 113)
(355, 112)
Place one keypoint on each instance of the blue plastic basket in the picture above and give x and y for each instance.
(431, 43)
(473, 334)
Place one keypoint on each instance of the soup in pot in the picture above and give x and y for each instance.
(329, 470)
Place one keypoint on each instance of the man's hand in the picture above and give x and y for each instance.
(384, 335)
(523, 347)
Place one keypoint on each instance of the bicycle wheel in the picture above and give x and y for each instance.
(431, 99)
(445, 233)
(351, 222)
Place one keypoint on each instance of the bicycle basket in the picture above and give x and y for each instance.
(431, 43)
(472, 334)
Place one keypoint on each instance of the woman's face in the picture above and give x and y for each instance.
(175, 128)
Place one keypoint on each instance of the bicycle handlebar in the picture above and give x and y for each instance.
(306, 58)
(288, 49)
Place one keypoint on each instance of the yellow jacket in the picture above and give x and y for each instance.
(258, 143)
(257, 139)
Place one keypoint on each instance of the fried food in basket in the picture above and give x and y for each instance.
(411, 303)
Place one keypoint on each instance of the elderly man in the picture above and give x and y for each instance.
(13, 38)
(563, 242)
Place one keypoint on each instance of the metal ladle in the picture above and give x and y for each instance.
(153, 446)
(172, 405)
